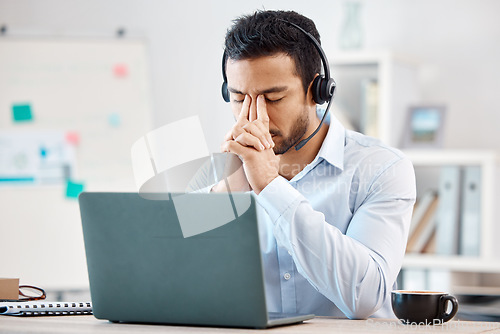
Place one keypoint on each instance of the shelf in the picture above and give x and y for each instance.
(423, 159)
(382, 109)
(437, 157)
(452, 263)
(397, 89)
(477, 290)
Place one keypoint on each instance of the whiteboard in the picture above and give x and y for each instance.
(93, 93)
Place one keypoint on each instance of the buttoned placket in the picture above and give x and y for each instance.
(287, 267)
(287, 281)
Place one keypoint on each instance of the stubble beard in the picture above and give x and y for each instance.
(298, 131)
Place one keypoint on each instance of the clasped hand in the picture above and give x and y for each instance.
(251, 141)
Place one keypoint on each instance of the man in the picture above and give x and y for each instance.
(338, 209)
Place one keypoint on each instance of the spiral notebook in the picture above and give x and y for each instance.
(28, 309)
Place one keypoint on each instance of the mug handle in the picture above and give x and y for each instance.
(444, 302)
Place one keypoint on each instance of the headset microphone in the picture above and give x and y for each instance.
(323, 87)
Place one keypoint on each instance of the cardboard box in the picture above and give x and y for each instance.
(9, 288)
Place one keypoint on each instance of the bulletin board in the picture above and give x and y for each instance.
(70, 110)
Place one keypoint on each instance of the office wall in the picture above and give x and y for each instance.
(456, 42)
(90, 101)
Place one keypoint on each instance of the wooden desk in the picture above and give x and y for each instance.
(88, 324)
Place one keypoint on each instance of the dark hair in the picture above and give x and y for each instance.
(264, 33)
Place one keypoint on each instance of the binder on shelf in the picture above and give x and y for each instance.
(430, 246)
(426, 223)
(420, 208)
(426, 236)
(470, 212)
(447, 219)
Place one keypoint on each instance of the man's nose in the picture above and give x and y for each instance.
(252, 115)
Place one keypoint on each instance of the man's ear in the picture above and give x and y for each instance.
(309, 96)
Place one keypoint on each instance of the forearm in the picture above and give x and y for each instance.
(354, 270)
(338, 266)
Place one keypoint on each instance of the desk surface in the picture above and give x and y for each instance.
(89, 324)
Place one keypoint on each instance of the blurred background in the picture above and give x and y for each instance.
(82, 80)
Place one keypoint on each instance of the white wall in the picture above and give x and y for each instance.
(457, 42)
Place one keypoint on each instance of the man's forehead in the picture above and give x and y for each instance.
(264, 75)
(277, 58)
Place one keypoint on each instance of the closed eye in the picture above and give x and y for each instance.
(274, 101)
(267, 100)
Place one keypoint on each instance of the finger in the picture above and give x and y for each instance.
(243, 117)
(234, 147)
(234, 132)
(246, 139)
(228, 135)
(270, 139)
(253, 111)
(262, 111)
(257, 129)
(264, 117)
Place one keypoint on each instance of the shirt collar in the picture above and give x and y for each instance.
(332, 149)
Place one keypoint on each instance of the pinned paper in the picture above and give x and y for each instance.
(73, 138)
(120, 70)
(38, 157)
(22, 113)
(73, 189)
(114, 120)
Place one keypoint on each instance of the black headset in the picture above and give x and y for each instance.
(323, 87)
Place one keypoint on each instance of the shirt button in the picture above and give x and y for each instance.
(287, 276)
(289, 253)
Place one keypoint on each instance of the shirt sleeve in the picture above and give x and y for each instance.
(355, 270)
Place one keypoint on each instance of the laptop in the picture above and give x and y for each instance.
(143, 269)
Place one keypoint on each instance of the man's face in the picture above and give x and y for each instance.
(275, 78)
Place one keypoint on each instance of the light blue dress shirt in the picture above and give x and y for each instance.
(333, 237)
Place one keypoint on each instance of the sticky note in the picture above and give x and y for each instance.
(43, 152)
(22, 113)
(120, 70)
(73, 189)
(114, 120)
(73, 138)
(17, 179)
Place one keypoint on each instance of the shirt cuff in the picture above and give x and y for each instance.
(277, 197)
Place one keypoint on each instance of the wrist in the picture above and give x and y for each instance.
(264, 184)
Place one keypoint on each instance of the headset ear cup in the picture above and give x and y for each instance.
(316, 89)
(328, 89)
(332, 85)
(225, 92)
